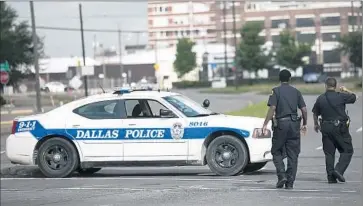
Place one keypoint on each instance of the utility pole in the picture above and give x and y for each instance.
(225, 38)
(353, 15)
(120, 50)
(83, 50)
(36, 59)
(235, 45)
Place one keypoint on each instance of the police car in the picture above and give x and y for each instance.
(137, 128)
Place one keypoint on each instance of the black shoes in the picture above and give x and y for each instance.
(289, 186)
(281, 182)
(338, 176)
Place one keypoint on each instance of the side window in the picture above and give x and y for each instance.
(155, 107)
(100, 110)
(133, 108)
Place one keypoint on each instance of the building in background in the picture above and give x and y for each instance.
(319, 23)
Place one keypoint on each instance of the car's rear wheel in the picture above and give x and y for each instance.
(227, 155)
(88, 171)
(253, 167)
(57, 158)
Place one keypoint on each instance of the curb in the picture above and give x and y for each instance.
(25, 111)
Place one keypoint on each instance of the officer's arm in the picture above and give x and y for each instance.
(348, 96)
(302, 107)
(272, 102)
(316, 112)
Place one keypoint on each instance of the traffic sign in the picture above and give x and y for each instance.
(4, 77)
(5, 67)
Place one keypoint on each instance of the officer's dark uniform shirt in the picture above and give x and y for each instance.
(338, 100)
(284, 95)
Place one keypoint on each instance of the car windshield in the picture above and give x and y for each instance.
(187, 106)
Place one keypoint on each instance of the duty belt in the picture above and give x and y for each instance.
(335, 122)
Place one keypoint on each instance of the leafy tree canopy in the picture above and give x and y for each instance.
(290, 53)
(250, 55)
(351, 45)
(186, 59)
(16, 42)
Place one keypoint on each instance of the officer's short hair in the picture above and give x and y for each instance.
(284, 75)
(331, 82)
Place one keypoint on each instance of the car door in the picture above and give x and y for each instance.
(148, 136)
(97, 129)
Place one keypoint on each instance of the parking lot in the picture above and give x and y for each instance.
(192, 185)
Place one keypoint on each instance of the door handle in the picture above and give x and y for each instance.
(75, 125)
(132, 124)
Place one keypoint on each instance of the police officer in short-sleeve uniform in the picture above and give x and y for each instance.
(284, 102)
(334, 127)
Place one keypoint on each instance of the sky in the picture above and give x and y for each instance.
(96, 15)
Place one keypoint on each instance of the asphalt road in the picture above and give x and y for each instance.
(194, 185)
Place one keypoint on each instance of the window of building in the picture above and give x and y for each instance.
(305, 38)
(352, 20)
(330, 21)
(100, 110)
(161, 9)
(330, 36)
(305, 22)
(280, 23)
(331, 57)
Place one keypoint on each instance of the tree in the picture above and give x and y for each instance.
(290, 53)
(250, 54)
(186, 59)
(351, 44)
(16, 43)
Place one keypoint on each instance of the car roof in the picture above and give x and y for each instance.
(111, 96)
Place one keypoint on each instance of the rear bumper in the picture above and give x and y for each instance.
(19, 149)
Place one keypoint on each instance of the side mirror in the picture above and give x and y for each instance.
(206, 103)
(165, 113)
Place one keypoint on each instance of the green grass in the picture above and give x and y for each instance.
(254, 110)
(307, 89)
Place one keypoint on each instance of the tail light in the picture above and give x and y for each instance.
(257, 133)
(13, 129)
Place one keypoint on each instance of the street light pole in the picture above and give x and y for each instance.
(36, 59)
(235, 44)
(83, 50)
(120, 50)
(225, 38)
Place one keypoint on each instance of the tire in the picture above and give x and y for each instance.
(88, 171)
(253, 167)
(214, 156)
(58, 149)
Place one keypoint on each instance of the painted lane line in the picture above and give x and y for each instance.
(359, 130)
(319, 148)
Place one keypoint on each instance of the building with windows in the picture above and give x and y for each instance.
(320, 24)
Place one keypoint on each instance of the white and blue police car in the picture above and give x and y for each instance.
(137, 128)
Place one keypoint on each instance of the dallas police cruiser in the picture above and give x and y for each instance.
(137, 128)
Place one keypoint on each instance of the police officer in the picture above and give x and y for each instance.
(284, 102)
(334, 127)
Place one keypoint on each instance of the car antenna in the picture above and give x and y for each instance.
(101, 87)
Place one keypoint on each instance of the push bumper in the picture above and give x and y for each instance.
(19, 149)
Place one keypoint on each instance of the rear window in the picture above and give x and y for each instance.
(100, 110)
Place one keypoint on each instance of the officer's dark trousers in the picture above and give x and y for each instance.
(336, 137)
(286, 140)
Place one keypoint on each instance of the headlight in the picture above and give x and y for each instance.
(257, 133)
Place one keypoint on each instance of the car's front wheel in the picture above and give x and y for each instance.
(88, 171)
(227, 155)
(253, 167)
(57, 158)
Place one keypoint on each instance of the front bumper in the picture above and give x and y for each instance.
(19, 149)
(260, 149)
